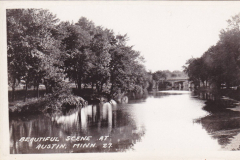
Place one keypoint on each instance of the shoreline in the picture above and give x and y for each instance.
(39, 105)
(36, 105)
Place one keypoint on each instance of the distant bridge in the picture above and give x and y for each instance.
(173, 82)
(178, 82)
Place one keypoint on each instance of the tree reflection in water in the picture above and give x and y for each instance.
(93, 120)
(123, 123)
(222, 123)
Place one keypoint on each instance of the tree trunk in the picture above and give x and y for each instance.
(97, 87)
(25, 98)
(227, 85)
(79, 83)
(101, 87)
(92, 86)
(46, 83)
(157, 83)
(203, 82)
(111, 90)
(37, 90)
(13, 90)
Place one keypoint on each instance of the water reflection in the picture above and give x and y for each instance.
(165, 120)
(93, 120)
(223, 123)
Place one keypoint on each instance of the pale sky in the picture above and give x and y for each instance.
(166, 33)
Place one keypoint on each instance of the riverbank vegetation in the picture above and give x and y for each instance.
(219, 66)
(42, 50)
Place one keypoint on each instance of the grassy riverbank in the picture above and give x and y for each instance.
(45, 103)
(233, 94)
(48, 103)
(219, 101)
(32, 105)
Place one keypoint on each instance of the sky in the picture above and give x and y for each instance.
(167, 34)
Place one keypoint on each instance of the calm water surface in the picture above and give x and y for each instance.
(165, 120)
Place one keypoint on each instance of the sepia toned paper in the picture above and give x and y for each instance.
(164, 153)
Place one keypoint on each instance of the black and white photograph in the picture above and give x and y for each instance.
(120, 80)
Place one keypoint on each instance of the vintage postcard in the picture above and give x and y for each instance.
(120, 80)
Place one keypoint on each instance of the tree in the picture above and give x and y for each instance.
(127, 71)
(76, 47)
(31, 43)
(15, 48)
(42, 51)
(159, 75)
(100, 59)
(220, 64)
(229, 55)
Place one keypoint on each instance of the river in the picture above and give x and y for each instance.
(165, 120)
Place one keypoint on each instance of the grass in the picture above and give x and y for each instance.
(33, 105)
(20, 94)
(43, 103)
(234, 94)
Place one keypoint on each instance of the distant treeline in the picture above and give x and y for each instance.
(220, 64)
